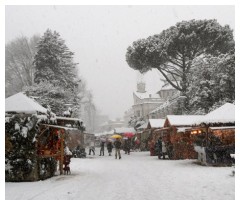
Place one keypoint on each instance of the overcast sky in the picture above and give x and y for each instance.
(99, 37)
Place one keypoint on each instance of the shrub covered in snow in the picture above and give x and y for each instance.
(21, 161)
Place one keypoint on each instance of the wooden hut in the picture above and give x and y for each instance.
(74, 137)
(176, 136)
(35, 143)
(153, 124)
(214, 136)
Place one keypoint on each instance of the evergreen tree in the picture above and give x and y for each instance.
(212, 83)
(56, 80)
(54, 61)
(56, 97)
(174, 49)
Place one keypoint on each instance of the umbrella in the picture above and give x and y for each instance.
(128, 134)
(116, 136)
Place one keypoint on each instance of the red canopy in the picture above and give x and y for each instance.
(128, 134)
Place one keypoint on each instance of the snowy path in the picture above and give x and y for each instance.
(135, 176)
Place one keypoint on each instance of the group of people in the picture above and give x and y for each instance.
(117, 144)
(158, 148)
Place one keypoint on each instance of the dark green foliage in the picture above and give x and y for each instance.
(47, 167)
(21, 160)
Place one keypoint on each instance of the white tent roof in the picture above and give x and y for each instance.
(223, 114)
(183, 120)
(156, 123)
(124, 130)
(20, 103)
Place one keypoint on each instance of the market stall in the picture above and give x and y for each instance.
(214, 136)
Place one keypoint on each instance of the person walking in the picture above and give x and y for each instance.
(102, 148)
(164, 149)
(109, 147)
(117, 145)
(92, 148)
(128, 146)
(159, 147)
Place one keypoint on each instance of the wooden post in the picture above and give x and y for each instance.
(207, 130)
(62, 155)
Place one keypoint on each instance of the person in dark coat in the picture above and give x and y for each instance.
(117, 145)
(128, 146)
(109, 147)
(102, 148)
(159, 147)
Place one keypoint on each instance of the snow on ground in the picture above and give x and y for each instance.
(135, 176)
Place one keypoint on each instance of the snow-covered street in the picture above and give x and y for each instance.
(135, 176)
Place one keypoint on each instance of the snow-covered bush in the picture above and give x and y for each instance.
(21, 159)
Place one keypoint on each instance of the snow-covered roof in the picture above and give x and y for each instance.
(60, 127)
(124, 130)
(223, 114)
(68, 118)
(143, 126)
(183, 120)
(146, 95)
(156, 123)
(20, 103)
(222, 128)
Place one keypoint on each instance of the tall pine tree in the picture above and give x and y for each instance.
(56, 80)
(54, 61)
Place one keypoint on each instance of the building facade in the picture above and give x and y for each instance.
(144, 102)
(154, 106)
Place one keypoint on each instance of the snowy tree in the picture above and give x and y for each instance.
(19, 68)
(56, 81)
(54, 62)
(212, 82)
(21, 161)
(47, 94)
(136, 122)
(174, 49)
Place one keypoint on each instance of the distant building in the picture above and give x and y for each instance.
(100, 120)
(167, 91)
(111, 125)
(144, 102)
(172, 102)
(167, 101)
